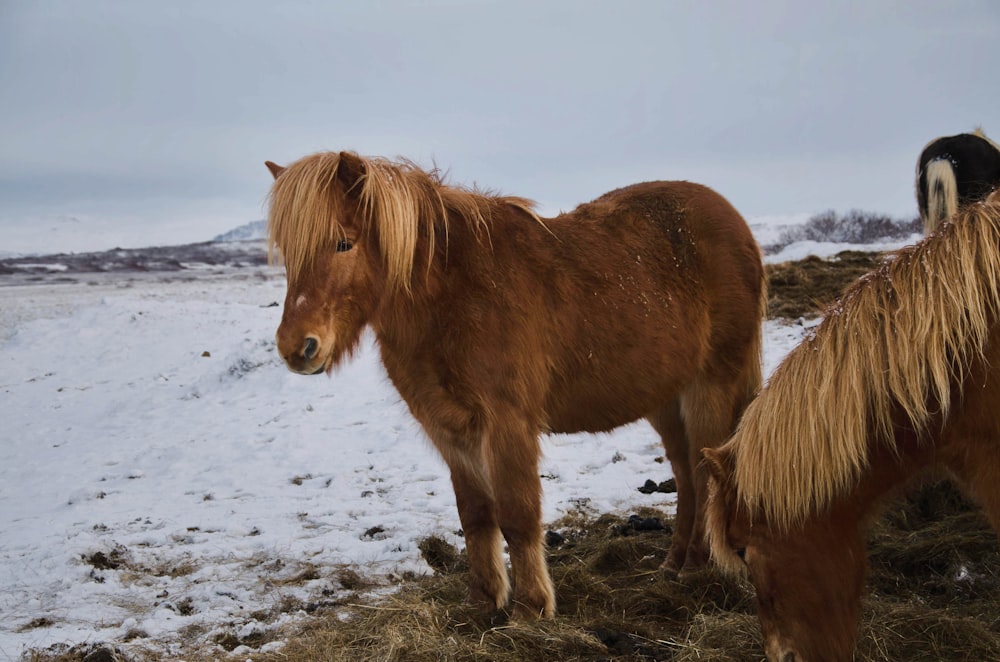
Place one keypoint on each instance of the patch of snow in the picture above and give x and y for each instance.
(827, 249)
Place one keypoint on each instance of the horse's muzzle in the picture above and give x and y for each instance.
(303, 359)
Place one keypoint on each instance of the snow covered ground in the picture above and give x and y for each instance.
(163, 477)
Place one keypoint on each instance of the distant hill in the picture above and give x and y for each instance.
(252, 231)
(856, 227)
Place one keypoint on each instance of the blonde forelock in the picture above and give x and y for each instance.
(397, 201)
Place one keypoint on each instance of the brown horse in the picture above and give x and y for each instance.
(901, 377)
(497, 326)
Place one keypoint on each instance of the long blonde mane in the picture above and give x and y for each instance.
(397, 201)
(902, 339)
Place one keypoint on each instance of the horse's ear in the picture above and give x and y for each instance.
(718, 461)
(351, 169)
(274, 168)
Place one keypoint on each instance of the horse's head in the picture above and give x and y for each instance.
(808, 577)
(315, 222)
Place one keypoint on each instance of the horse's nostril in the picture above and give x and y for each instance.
(310, 349)
(789, 657)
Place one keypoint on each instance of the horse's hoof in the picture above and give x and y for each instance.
(486, 614)
(695, 573)
(669, 569)
(524, 612)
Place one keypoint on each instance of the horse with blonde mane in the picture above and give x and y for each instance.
(954, 171)
(900, 378)
(497, 326)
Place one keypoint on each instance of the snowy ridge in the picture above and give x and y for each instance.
(252, 231)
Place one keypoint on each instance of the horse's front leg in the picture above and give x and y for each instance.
(488, 584)
(512, 459)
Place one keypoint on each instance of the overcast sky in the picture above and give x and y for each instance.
(164, 112)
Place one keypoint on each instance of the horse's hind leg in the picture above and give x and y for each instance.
(709, 411)
(668, 423)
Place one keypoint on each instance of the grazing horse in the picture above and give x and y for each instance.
(496, 326)
(954, 171)
(902, 376)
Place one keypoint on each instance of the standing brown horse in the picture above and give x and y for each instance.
(497, 326)
(901, 377)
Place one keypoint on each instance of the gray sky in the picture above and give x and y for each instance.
(163, 110)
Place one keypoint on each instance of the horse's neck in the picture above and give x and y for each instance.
(401, 323)
(889, 470)
(405, 329)
(419, 366)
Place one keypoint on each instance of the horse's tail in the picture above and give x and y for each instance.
(751, 380)
(755, 376)
(942, 194)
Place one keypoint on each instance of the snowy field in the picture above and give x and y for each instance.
(163, 477)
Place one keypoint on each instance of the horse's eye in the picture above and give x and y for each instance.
(343, 245)
(742, 553)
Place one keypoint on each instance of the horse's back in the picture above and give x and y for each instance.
(703, 240)
(678, 293)
(732, 274)
(695, 226)
(677, 204)
(711, 247)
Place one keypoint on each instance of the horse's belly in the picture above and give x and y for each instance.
(602, 407)
(626, 378)
(594, 421)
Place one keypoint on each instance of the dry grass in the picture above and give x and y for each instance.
(804, 288)
(613, 604)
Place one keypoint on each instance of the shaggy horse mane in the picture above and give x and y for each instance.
(900, 341)
(393, 200)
